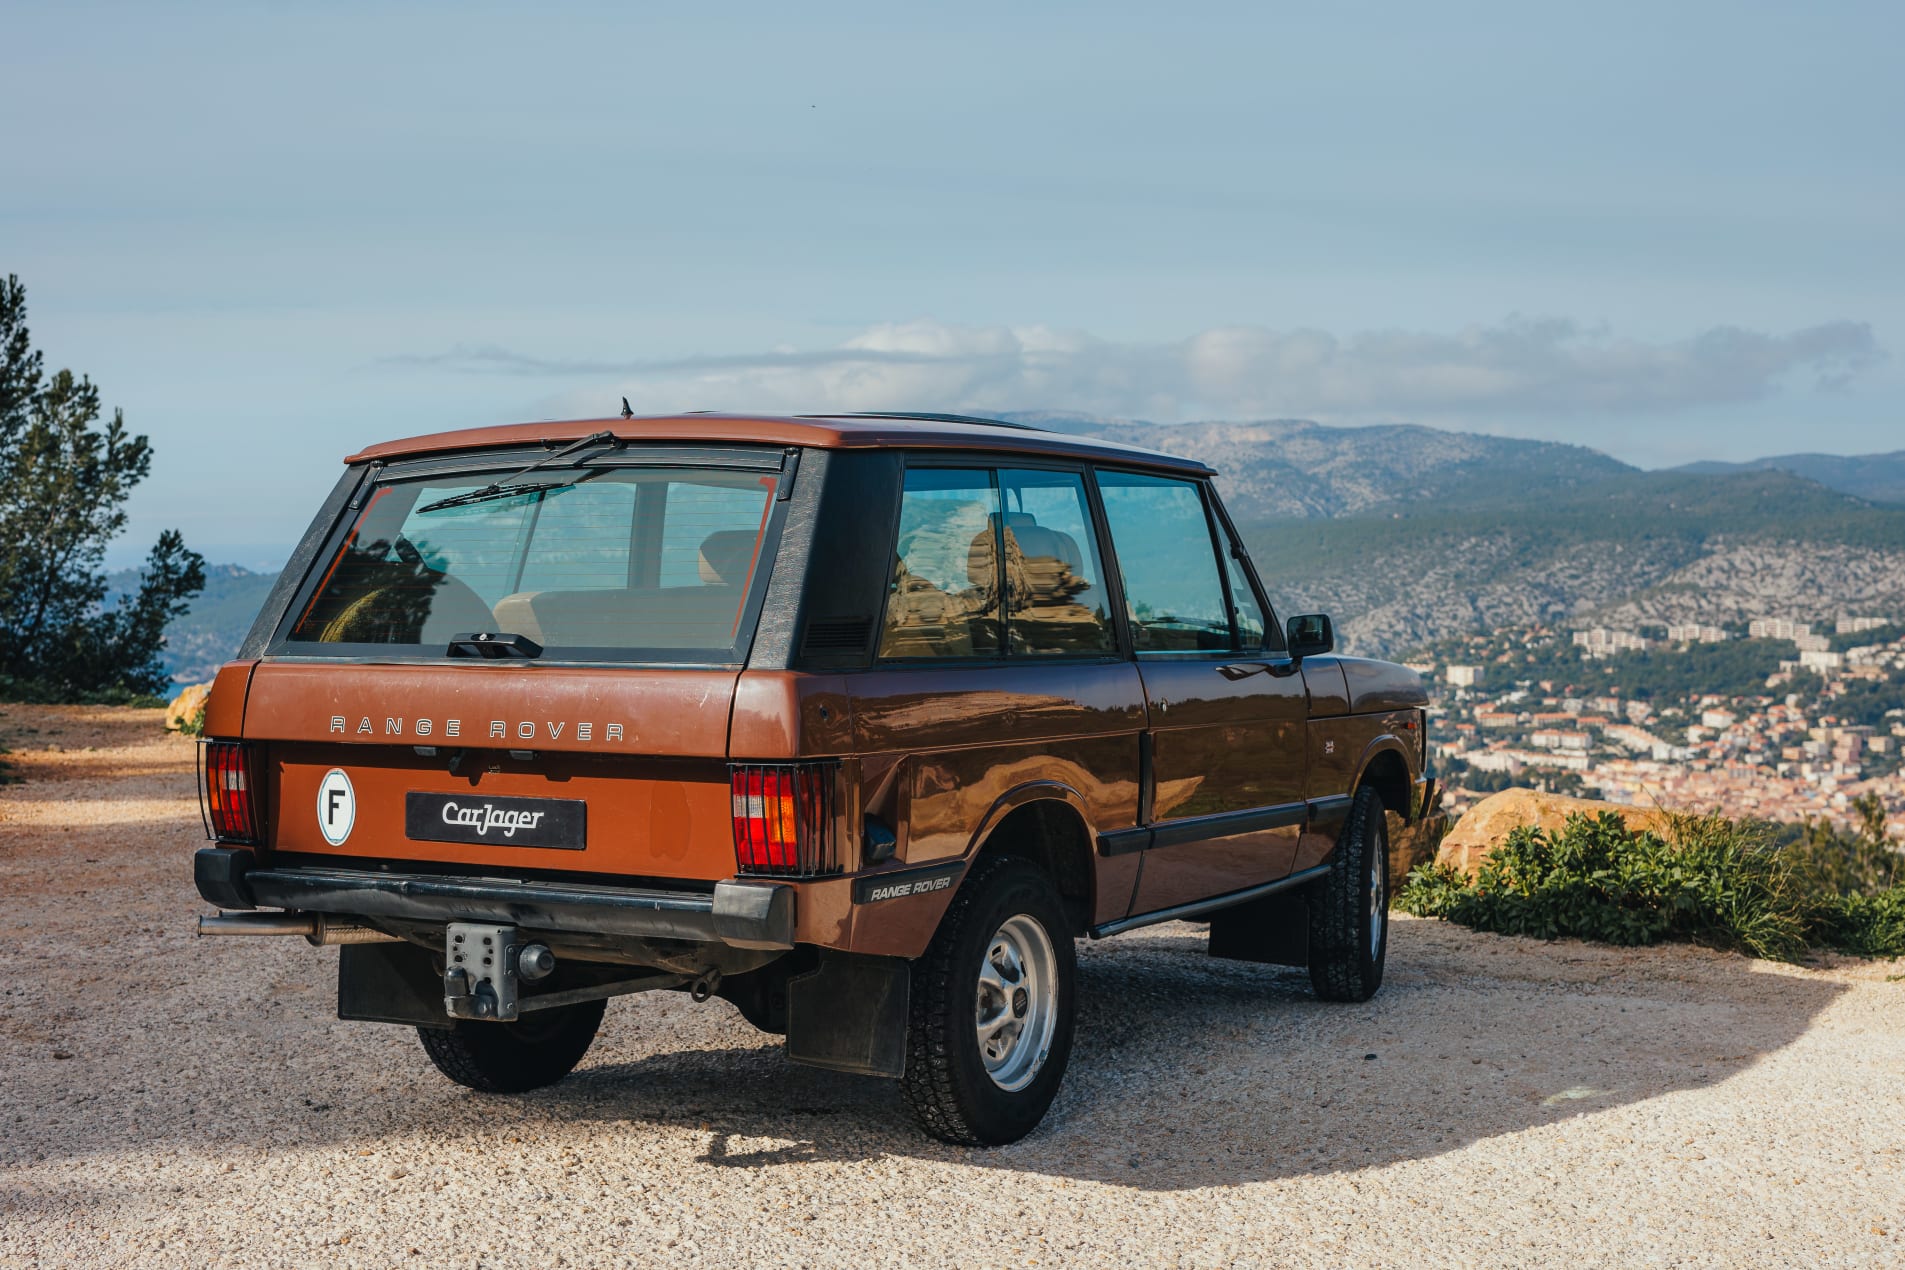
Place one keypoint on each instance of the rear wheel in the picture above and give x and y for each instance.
(509, 1058)
(1349, 909)
(992, 1009)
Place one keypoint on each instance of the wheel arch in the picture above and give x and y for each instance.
(1385, 768)
(1045, 822)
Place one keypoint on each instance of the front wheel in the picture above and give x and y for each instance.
(992, 1009)
(510, 1058)
(1349, 909)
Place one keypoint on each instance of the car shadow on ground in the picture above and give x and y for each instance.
(1190, 1072)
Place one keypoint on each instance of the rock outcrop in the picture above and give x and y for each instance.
(187, 711)
(1488, 823)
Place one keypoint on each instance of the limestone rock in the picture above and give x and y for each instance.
(188, 709)
(1488, 823)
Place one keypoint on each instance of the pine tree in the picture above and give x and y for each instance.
(64, 482)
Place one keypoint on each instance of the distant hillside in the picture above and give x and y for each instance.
(1409, 534)
(1641, 547)
(1296, 470)
(1879, 477)
(206, 637)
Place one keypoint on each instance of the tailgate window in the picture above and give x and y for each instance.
(609, 563)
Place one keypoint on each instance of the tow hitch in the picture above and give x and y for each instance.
(482, 966)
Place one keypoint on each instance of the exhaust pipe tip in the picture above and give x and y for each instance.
(318, 929)
(305, 924)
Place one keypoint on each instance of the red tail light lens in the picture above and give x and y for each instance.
(784, 819)
(228, 794)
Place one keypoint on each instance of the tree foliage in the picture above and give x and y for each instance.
(64, 482)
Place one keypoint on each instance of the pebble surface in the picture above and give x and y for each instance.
(172, 1101)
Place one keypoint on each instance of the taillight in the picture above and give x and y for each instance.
(227, 793)
(784, 819)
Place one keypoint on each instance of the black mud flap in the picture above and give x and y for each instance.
(390, 983)
(1273, 931)
(850, 1014)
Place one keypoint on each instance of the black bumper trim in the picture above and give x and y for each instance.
(220, 875)
(745, 914)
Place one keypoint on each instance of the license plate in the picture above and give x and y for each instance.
(561, 823)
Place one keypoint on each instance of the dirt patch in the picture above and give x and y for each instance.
(180, 1101)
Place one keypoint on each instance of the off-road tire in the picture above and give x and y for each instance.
(947, 1086)
(1346, 957)
(511, 1058)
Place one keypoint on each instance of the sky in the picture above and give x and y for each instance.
(275, 234)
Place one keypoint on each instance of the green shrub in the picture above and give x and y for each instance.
(1869, 925)
(1708, 879)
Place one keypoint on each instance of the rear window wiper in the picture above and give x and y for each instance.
(504, 487)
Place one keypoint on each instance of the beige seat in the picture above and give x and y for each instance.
(703, 616)
(1046, 584)
(727, 557)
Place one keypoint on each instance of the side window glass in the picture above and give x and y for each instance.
(1243, 604)
(1055, 603)
(943, 600)
(1163, 542)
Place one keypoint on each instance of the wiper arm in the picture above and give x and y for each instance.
(502, 486)
(488, 493)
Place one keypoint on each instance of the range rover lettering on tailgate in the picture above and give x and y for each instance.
(859, 722)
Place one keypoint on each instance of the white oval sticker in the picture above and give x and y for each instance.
(336, 806)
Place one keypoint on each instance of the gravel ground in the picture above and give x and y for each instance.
(171, 1101)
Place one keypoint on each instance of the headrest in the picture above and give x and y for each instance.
(725, 557)
(1025, 538)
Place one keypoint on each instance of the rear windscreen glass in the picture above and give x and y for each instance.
(608, 562)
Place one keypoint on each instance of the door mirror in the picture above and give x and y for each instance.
(1310, 635)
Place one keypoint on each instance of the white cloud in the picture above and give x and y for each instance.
(1551, 366)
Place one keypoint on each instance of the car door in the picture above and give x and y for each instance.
(1225, 732)
(999, 668)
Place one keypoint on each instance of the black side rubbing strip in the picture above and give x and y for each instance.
(1327, 813)
(1123, 841)
(1226, 824)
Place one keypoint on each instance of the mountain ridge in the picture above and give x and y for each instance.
(1878, 477)
(1297, 469)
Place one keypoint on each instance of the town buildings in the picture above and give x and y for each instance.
(1807, 740)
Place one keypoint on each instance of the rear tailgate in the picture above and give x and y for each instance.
(633, 760)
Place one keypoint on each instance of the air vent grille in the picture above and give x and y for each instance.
(839, 634)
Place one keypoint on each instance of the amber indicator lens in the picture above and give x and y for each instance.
(784, 819)
(230, 804)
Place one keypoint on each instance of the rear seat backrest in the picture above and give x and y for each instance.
(727, 556)
(653, 617)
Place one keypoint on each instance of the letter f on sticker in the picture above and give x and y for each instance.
(332, 797)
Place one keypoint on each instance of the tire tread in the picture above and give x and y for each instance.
(1340, 969)
(929, 1086)
(484, 1057)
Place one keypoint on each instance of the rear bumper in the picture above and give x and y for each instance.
(740, 914)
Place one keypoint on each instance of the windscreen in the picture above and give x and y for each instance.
(622, 562)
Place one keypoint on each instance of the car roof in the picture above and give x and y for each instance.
(829, 432)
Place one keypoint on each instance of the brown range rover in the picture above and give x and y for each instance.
(855, 721)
